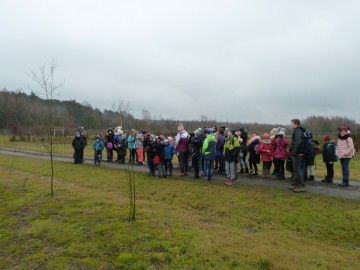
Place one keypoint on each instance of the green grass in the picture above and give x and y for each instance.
(181, 224)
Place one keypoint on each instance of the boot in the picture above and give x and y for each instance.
(311, 178)
(242, 171)
(246, 170)
(264, 173)
(345, 183)
(281, 176)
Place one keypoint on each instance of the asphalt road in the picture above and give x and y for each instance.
(352, 192)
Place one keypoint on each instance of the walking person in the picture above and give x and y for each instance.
(345, 151)
(297, 153)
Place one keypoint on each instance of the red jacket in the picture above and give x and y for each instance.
(266, 151)
(280, 145)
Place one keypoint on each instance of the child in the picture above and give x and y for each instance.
(170, 150)
(266, 152)
(159, 149)
(254, 155)
(98, 146)
(329, 156)
(122, 150)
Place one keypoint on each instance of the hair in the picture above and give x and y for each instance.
(296, 121)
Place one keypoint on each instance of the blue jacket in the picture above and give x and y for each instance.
(98, 145)
(170, 150)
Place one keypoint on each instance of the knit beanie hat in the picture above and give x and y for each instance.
(327, 138)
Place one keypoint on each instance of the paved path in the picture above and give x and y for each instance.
(352, 192)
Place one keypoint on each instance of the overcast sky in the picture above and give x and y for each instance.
(248, 61)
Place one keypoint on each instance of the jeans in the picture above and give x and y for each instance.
(297, 164)
(345, 168)
(208, 168)
(229, 168)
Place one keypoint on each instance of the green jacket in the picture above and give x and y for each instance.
(209, 147)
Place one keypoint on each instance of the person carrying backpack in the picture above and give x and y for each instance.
(329, 157)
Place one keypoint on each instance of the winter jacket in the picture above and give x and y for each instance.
(280, 145)
(170, 150)
(220, 145)
(159, 149)
(344, 147)
(78, 143)
(196, 143)
(329, 152)
(266, 151)
(209, 147)
(98, 145)
(298, 141)
(231, 148)
(181, 141)
(254, 158)
(131, 142)
(139, 141)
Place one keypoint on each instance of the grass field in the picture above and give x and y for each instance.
(181, 224)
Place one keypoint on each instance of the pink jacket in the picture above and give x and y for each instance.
(344, 148)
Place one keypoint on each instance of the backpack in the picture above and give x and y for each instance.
(257, 149)
(334, 150)
(308, 147)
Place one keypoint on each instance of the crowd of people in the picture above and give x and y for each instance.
(225, 151)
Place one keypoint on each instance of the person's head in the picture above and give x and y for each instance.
(343, 130)
(229, 133)
(327, 138)
(180, 127)
(266, 136)
(209, 131)
(294, 123)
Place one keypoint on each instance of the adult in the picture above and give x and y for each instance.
(181, 145)
(345, 151)
(297, 152)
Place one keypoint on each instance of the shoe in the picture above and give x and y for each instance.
(344, 184)
(293, 186)
(246, 170)
(329, 181)
(299, 189)
(311, 178)
(196, 177)
(242, 171)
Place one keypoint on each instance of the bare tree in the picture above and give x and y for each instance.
(46, 85)
(124, 108)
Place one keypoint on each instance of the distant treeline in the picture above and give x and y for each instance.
(25, 114)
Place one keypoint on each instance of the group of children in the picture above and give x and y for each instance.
(208, 150)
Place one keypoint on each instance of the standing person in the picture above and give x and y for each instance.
(254, 154)
(345, 151)
(83, 136)
(169, 153)
(98, 146)
(220, 142)
(208, 150)
(196, 141)
(297, 152)
(266, 152)
(243, 151)
(280, 144)
(329, 157)
(131, 146)
(109, 139)
(159, 149)
(181, 145)
(139, 146)
(150, 153)
(78, 144)
(231, 153)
